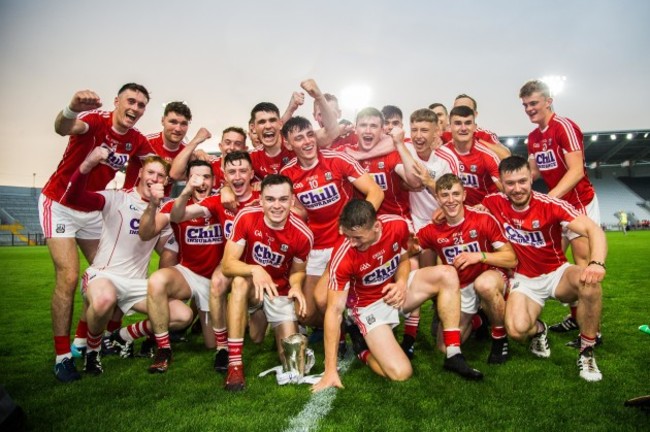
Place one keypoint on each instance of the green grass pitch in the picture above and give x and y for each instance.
(524, 394)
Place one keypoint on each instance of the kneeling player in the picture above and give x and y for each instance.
(472, 241)
(373, 265)
(266, 257)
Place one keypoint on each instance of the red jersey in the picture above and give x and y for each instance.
(366, 273)
(264, 164)
(479, 133)
(273, 249)
(382, 170)
(323, 190)
(536, 232)
(479, 169)
(158, 146)
(200, 241)
(343, 142)
(548, 148)
(227, 216)
(478, 232)
(217, 172)
(100, 133)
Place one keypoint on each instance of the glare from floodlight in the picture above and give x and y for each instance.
(555, 83)
(629, 136)
(355, 97)
(594, 138)
(645, 135)
(510, 142)
(526, 141)
(612, 137)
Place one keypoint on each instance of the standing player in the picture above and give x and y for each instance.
(266, 255)
(472, 242)
(323, 182)
(63, 222)
(272, 156)
(443, 115)
(479, 167)
(556, 154)
(233, 138)
(488, 138)
(117, 275)
(533, 222)
(372, 265)
(201, 244)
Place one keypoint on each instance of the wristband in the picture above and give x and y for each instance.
(598, 263)
(483, 257)
(68, 113)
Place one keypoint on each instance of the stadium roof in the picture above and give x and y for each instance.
(622, 148)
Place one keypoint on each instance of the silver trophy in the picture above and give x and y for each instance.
(298, 359)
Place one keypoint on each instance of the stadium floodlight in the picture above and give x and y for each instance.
(625, 163)
(645, 135)
(613, 137)
(629, 136)
(510, 142)
(593, 165)
(355, 97)
(594, 138)
(526, 141)
(555, 83)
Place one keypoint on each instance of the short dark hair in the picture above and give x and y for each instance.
(275, 179)
(513, 163)
(235, 156)
(390, 111)
(447, 181)
(135, 87)
(533, 86)
(197, 163)
(357, 213)
(463, 95)
(178, 108)
(295, 124)
(264, 107)
(462, 111)
(438, 104)
(370, 112)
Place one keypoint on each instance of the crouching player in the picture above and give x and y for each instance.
(201, 244)
(118, 274)
(533, 222)
(372, 264)
(266, 257)
(472, 241)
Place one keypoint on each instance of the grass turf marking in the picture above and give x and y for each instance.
(319, 404)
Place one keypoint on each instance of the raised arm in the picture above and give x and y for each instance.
(297, 99)
(179, 165)
(406, 170)
(330, 130)
(367, 186)
(77, 194)
(66, 122)
(152, 221)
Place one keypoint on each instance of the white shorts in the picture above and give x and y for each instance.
(129, 291)
(374, 315)
(469, 300)
(59, 221)
(280, 310)
(199, 285)
(539, 288)
(593, 211)
(317, 261)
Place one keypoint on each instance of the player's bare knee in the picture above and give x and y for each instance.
(516, 329)
(103, 302)
(400, 371)
(590, 292)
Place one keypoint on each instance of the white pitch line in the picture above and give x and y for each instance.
(319, 404)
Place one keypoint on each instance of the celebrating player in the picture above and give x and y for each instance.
(266, 255)
(533, 223)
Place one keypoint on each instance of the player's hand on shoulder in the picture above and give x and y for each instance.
(85, 100)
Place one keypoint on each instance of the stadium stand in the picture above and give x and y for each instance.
(19, 216)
